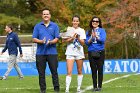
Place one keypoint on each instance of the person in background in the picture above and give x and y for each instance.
(95, 41)
(46, 35)
(12, 43)
(74, 52)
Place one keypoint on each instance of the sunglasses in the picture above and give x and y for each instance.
(95, 21)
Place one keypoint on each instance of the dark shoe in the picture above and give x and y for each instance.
(99, 89)
(56, 89)
(43, 91)
(95, 89)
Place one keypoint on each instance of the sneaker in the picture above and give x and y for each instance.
(20, 78)
(4, 78)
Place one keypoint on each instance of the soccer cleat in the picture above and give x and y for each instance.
(78, 90)
(66, 91)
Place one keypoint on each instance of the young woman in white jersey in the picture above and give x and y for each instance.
(74, 52)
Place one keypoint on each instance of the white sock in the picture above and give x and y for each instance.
(68, 81)
(79, 81)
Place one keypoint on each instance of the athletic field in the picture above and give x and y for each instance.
(113, 83)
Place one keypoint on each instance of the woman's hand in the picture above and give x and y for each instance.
(93, 34)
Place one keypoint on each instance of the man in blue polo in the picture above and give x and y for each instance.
(46, 35)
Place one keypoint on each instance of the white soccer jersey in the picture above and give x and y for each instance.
(72, 48)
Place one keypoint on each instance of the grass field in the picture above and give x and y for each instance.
(113, 83)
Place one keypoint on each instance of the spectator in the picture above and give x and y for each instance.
(95, 41)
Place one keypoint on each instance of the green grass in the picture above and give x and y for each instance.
(29, 84)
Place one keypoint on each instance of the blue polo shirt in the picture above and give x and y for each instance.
(96, 45)
(51, 32)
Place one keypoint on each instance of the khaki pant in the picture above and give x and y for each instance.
(12, 63)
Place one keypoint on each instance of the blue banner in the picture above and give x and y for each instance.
(110, 66)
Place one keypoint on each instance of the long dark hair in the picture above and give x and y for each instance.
(90, 24)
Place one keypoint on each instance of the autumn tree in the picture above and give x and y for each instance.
(123, 19)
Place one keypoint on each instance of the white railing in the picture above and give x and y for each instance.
(28, 54)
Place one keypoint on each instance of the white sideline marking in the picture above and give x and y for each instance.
(121, 86)
(90, 87)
